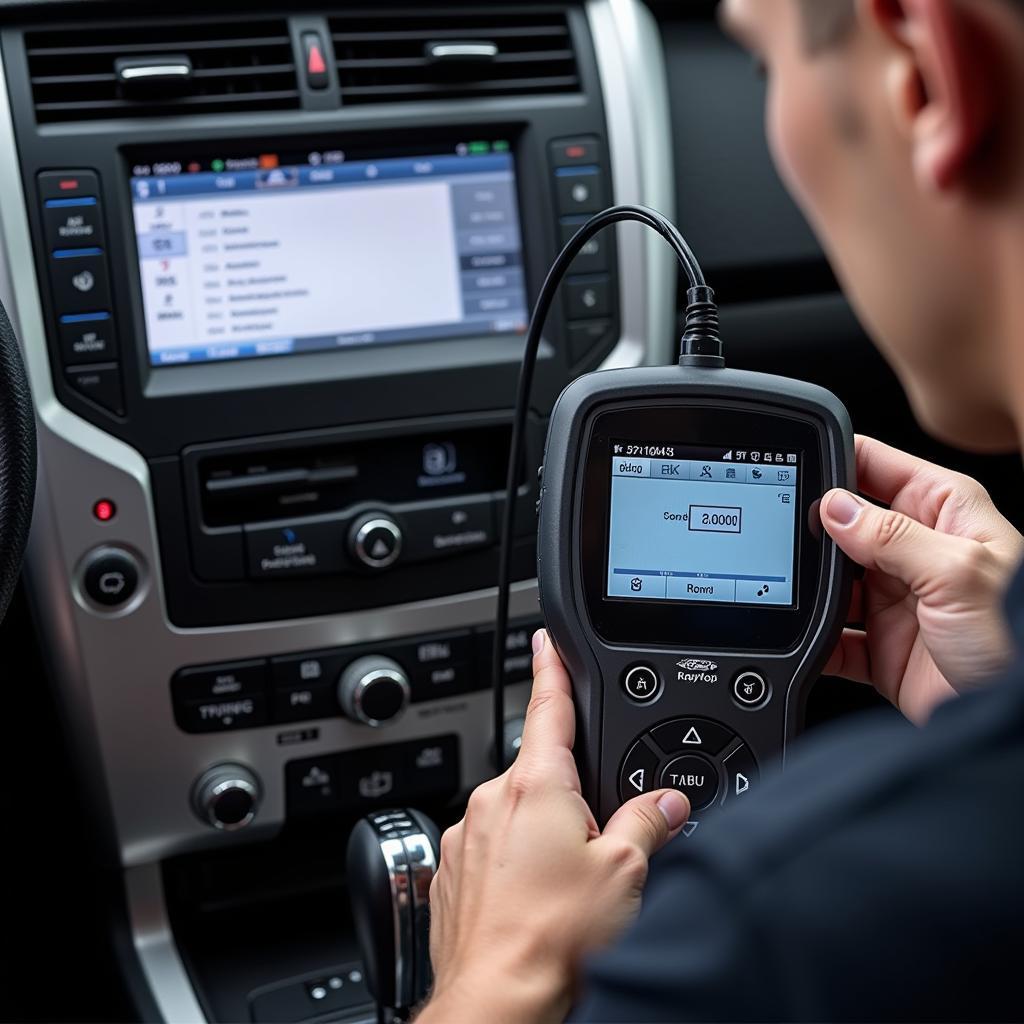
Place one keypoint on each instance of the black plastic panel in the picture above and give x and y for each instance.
(169, 408)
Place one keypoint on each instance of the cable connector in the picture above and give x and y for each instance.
(701, 344)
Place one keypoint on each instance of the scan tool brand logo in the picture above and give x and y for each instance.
(697, 670)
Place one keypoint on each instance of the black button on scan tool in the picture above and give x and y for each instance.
(686, 735)
(639, 771)
(695, 777)
(750, 689)
(641, 683)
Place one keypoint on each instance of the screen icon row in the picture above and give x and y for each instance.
(741, 455)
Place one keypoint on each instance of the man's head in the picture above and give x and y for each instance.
(899, 127)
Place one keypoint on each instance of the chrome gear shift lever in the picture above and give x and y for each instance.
(392, 858)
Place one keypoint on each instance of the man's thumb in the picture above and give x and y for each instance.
(879, 538)
(649, 821)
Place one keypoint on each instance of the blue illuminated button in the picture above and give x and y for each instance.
(624, 466)
(635, 585)
(681, 588)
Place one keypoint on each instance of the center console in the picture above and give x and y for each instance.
(272, 275)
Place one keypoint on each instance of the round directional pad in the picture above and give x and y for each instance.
(700, 757)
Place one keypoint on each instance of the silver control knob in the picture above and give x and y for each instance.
(226, 796)
(373, 690)
(375, 540)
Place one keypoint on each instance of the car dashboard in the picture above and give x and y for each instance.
(271, 270)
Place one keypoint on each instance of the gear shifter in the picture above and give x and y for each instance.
(392, 858)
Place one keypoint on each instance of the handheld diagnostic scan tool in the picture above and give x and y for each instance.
(685, 579)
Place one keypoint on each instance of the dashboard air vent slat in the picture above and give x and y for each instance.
(234, 66)
(384, 57)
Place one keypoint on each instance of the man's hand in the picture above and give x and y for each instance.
(527, 884)
(938, 563)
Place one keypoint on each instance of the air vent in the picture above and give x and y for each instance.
(402, 56)
(223, 66)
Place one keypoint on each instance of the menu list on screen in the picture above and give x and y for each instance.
(258, 257)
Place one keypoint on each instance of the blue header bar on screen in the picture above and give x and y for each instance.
(366, 172)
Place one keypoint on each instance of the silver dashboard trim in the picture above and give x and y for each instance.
(634, 86)
(156, 949)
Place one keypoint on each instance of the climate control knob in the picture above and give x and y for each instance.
(375, 540)
(226, 796)
(373, 690)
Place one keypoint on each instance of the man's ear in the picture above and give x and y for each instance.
(943, 81)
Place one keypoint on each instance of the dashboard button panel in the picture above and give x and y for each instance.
(100, 383)
(87, 338)
(580, 190)
(80, 281)
(593, 257)
(221, 682)
(244, 712)
(296, 549)
(588, 296)
(365, 778)
(72, 216)
(72, 220)
(579, 151)
(304, 687)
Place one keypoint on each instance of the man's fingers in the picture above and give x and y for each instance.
(649, 821)
(883, 471)
(550, 718)
(889, 541)
(850, 659)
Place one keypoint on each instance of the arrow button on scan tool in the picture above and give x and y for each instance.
(682, 735)
(740, 772)
(639, 771)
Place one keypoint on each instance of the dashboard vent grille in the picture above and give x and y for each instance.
(385, 58)
(242, 65)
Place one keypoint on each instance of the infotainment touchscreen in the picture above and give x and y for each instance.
(702, 524)
(272, 252)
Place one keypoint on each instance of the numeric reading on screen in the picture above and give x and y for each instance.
(702, 524)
